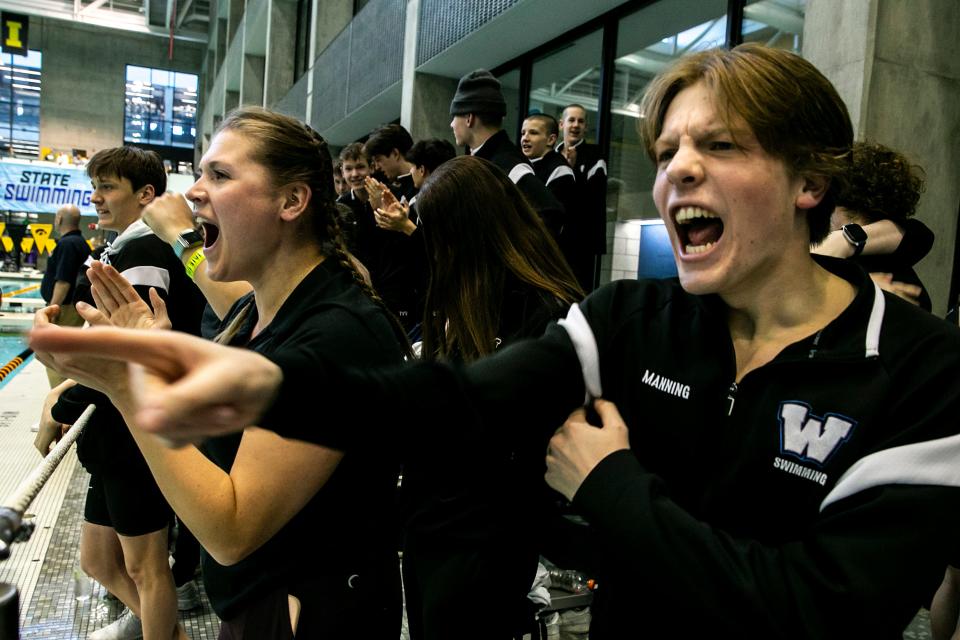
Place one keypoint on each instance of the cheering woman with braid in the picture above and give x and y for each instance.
(296, 537)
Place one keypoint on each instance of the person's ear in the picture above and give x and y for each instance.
(470, 120)
(147, 194)
(552, 140)
(296, 199)
(812, 190)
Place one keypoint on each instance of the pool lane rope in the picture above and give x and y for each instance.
(33, 287)
(28, 489)
(16, 362)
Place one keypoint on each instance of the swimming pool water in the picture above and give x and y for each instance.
(10, 347)
(20, 288)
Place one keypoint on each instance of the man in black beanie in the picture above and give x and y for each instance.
(478, 109)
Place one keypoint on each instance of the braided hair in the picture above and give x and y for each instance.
(293, 152)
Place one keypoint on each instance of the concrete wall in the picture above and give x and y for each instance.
(897, 66)
(84, 75)
(430, 117)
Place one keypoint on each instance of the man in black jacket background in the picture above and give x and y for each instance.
(478, 109)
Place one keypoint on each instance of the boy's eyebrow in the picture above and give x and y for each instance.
(711, 132)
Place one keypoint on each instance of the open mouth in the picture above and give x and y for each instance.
(697, 229)
(210, 234)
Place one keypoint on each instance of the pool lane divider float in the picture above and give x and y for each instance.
(32, 287)
(16, 362)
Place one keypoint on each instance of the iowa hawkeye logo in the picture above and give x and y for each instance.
(809, 439)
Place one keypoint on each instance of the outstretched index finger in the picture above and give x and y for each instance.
(160, 351)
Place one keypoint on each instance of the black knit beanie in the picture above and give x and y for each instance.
(478, 92)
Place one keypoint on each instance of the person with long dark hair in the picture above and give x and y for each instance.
(496, 276)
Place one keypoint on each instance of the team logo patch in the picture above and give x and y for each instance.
(809, 438)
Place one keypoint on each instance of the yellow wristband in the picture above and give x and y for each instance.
(194, 262)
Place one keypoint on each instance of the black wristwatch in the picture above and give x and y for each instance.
(855, 235)
(188, 238)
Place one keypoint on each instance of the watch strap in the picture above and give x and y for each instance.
(187, 238)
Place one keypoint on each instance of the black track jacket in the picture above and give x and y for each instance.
(817, 498)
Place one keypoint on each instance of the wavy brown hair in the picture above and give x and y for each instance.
(882, 184)
(481, 232)
(792, 109)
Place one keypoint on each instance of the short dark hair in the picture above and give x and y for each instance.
(387, 138)
(792, 109)
(353, 151)
(431, 153)
(882, 184)
(574, 105)
(139, 166)
(548, 121)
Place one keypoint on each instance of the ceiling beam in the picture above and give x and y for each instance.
(93, 6)
(184, 10)
(98, 17)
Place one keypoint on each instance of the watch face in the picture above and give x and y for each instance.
(855, 233)
(189, 238)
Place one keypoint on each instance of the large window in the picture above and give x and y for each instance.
(606, 66)
(510, 87)
(161, 107)
(647, 42)
(775, 23)
(20, 104)
(569, 75)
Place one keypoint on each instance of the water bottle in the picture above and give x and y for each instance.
(82, 587)
(570, 580)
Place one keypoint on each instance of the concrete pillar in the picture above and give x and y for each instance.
(234, 17)
(231, 100)
(408, 72)
(430, 109)
(251, 87)
(897, 66)
(281, 33)
(330, 17)
(221, 44)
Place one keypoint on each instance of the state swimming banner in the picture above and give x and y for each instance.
(37, 188)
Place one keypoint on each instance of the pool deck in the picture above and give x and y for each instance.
(43, 567)
(15, 322)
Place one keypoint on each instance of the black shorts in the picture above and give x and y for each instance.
(267, 617)
(129, 501)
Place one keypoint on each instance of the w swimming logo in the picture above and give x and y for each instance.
(808, 437)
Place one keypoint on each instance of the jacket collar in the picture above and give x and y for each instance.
(854, 334)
